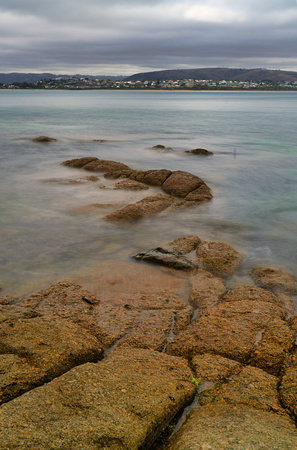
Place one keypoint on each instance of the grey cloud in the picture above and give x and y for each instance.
(36, 35)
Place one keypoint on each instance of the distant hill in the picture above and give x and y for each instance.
(15, 77)
(218, 74)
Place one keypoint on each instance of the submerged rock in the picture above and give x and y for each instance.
(122, 402)
(130, 185)
(145, 207)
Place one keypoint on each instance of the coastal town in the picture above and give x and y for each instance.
(88, 83)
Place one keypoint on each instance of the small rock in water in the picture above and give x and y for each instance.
(161, 147)
(199, 151)
(164, 257)
(44, 139)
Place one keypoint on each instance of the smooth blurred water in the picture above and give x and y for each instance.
(252, 175)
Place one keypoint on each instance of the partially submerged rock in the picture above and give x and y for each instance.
(122, 402)
(44, 139)
(164, 257)
(161, 147)
(181, 183)
(275, 279)
(81, 180)
(199, 151)
(130, 185)
(184, 244)
(151, 177)
(176, 185)
(219, 258)
(145, 207)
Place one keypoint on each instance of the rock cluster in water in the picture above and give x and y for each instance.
(180, 189)
(80, 371)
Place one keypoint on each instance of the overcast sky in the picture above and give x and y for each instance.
(125, 37)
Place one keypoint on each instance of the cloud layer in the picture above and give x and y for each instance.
(124, 37)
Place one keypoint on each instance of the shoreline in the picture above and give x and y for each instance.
(114, 360)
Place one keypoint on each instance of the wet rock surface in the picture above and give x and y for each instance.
(34, 350)
(275, 279)
(229, 427)
(130, 185)
(219, 258)
(164, 257)
(206, 291)
(104, 405)
(249, 331)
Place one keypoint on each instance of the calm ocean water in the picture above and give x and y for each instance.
(44, 235)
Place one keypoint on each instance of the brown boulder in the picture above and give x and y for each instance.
(288, 387)
(66, 301)
(206, 291)
(122, 402)
(251, 387)
(246, 331)
(229, 427)
(151, 177)
(184, 244)
(79, 162)
(214, 368)
(130, 185)
(102, 165)
(247, 292)
(156, 328)
(201, 194)
(219, 258)
(36, 350)
(275, 279)
(118, 173)
(181, 183)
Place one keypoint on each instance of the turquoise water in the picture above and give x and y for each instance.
(252, 174)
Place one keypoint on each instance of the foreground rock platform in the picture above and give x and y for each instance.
(109, 365)
(122, 402)
(34, 350)
(175, 184)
